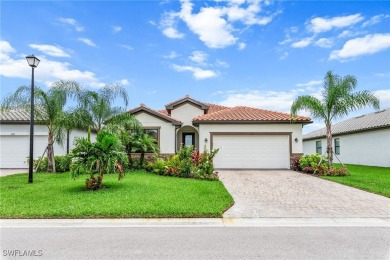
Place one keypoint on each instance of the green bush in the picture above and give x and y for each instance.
(62, 163)
(312, 160)
(187, 163)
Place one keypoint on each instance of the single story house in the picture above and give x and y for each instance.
(363, 140)
(248, 138)
(15, 139)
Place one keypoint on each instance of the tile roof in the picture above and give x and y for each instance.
(214, 108)
(154, 112)
(15, 115)
(379, 119)
(187, 98)
(242, 113)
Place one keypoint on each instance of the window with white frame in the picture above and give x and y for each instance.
(337, 146)
(319, 147)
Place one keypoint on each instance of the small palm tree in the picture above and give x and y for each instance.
(128, 128)
(145, 143)
(49, 109)
(338, 99)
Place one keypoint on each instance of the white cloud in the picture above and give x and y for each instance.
(197, 73)
(302, 43)
(214, 24)
(310, 83)
(375, 19)
(168, 26)
(384, 97)
(369, 44)
(320, 24)
(126, 46)
(116, 29)
(199, 57)
(124, 82)
(221, 63)
(47, 72)
(241, 46)
(171, 55)
(73, 22)
(324, 43)
(209, 25)
(87, 42)
(50, 50)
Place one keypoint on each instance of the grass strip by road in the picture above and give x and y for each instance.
(369, 178)
(138, 195)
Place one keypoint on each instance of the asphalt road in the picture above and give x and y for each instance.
(197, 243)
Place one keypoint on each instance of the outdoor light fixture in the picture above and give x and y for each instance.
(206, 140)
(33, 63)
(296, 140)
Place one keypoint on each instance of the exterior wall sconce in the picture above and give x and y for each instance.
(296, 140)
(206, 140)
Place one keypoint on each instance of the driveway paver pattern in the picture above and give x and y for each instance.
(289, 194)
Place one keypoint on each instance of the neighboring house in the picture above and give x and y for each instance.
(15, 139)
(363, 140)
(248, 138)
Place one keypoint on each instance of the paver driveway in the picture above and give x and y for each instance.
(290, 194)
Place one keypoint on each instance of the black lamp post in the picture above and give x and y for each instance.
(33, 62)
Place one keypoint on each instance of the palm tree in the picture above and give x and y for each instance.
(338, 99)
(145, 143)
(100, 104)
(128, 128)
(49, 109)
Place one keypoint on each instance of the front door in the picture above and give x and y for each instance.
(188, 139)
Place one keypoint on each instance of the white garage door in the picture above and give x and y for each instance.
(15, 150)
(252, 151)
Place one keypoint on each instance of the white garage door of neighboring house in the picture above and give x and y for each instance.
(15, 149)
(252, 151)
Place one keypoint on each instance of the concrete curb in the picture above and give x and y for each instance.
(197, 222)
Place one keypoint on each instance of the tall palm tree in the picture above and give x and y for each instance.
(49, 109)
(100, 105)
(338, 99)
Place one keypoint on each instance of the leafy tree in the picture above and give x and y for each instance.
(49, 109)
(338, 99)
(100, 105)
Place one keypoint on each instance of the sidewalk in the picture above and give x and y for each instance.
(198, 222)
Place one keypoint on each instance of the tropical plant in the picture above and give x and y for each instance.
(338, 99)
(145, 143)
(128, 129)
(104, 156)
(49, 110)
(100, 105)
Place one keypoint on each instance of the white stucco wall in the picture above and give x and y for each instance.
(15, 143)
(295, 129)
(365, 148)
(185, 113)
(167, 131)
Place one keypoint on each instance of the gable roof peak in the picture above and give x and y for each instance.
(186, 98)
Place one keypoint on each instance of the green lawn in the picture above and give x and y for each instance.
(368, 178)
(137, 195)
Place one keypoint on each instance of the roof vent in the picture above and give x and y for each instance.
(187, 96)
(360, 116)
(142, 105)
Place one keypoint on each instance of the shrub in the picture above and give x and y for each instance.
(295, 164)
(62, 163)
(308, 169)
(337, 172)
(188, 163)
(312, 160)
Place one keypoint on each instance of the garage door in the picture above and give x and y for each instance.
(252, 151)
(15, 150)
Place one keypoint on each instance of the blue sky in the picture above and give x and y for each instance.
(255, 53)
